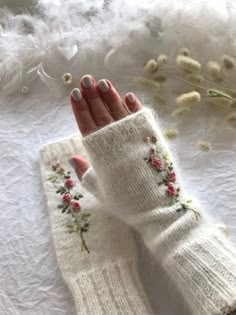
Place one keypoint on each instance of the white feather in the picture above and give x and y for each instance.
(75, 36)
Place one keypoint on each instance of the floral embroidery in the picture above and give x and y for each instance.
(185, 206)
(69, 203)
(159, 160)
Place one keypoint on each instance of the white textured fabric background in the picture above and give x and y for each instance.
(30, 282)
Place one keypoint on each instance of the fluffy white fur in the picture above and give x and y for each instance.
(106, 37)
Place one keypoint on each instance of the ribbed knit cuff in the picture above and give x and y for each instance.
(104, 281)
(204, 268)
(111, 289)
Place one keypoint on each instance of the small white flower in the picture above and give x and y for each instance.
(67, 79)
(24, 90)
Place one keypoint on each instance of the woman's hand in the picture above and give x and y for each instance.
(97, 104)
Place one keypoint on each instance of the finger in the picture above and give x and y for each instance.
(112, 99)
(132, 102)
(86, 175)
(82, 113)
(80, 165)
(98, 108)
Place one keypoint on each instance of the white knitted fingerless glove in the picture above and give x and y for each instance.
(106, 281)
(140, 185)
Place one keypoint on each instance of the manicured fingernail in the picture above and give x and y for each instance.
(87, 81)
(76, 94)
(131, 97)
(103, 85)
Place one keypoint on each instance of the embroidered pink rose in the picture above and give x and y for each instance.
(66, 198)
(172, 177)
(157, 163)
(171, 190)
(154, 139)
(61, 170)
(69, 183)
(75, 205)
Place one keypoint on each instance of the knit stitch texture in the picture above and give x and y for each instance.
(192, 250)
(106, 281)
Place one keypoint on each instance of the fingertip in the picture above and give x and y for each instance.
(79, 164)
(132, 102)
(76, 95)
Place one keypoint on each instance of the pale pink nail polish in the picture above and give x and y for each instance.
(87, 81)
(103, 85)
(76, 94)
(131, 97)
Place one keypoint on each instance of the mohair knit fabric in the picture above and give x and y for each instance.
(106, 281)
(144, 193)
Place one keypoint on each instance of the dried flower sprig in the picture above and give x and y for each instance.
(229, 62)
(69, 202)
(187, 99)
(151, 66)
(188, 64)
(214, 69)
(219, 97)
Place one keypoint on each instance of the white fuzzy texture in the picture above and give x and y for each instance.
(201, 262)
(75, 36)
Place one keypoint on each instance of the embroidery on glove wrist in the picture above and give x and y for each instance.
(159, 159)
(69, 203)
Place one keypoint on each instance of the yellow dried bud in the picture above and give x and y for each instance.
(231, 119)
(229, 62)
(160, 77)
(187, 99)
(204, 145)
(188, 64)
(162, 59)
(148, 83)
(151, 66)
(195, 78)
(170, 133)
(214, 69)
(179, 112)
(184, 51)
